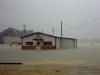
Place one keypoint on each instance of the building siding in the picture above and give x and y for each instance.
(29, 47)
(45, 38)
(48, 38)
(67, 43)
(48, 47)
(57, 43)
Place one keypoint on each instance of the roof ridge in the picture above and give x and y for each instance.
(45, 34)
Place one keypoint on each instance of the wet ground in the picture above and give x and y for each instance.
(48, 70)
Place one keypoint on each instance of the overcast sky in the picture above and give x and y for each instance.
(81, 18)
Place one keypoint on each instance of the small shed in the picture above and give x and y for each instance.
(40, 41)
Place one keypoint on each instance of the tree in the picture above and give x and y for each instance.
(9, 32)
(13, 33)
(1, 38)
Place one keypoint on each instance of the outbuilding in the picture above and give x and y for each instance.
(40, 41)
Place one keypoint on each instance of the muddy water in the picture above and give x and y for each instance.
(48, 70)
(84, 60)
(85, 52)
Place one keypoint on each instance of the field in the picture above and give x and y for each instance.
(84, 60)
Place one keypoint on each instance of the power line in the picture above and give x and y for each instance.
(84, 24)
(81, 26)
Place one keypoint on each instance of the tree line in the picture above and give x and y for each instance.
(13, 33)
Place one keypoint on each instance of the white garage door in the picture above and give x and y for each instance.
(67, 43)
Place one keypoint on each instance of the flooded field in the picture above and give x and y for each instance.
(84, 60)
(85, 52)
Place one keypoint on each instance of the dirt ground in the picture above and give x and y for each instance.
(81, 68)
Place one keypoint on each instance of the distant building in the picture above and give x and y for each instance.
(10, 39)
(40, 40)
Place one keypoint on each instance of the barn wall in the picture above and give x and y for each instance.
(45, 38)
(28, 39)
(48, 38)
(67, 43)
(75, 43)
(48, 47)
(58, 43)
(29, 47)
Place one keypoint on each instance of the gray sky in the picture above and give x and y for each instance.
(81, 18)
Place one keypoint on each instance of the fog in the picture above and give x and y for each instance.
(81, 18)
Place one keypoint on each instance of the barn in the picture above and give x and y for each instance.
(41, 41)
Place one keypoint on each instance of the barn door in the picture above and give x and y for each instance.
(39, 43)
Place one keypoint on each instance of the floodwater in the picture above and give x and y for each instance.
(85, 60)
(88, 52)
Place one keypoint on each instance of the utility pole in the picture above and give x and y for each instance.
(61, 29)
(24, 29)
(53, 31)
